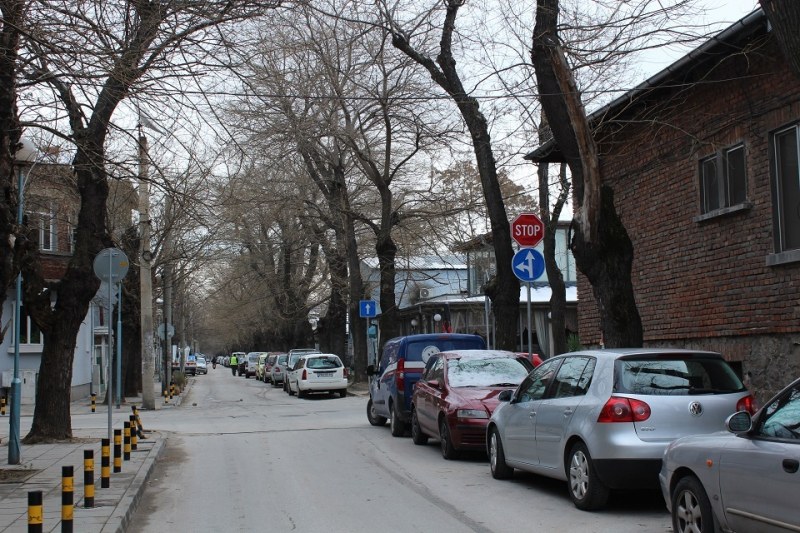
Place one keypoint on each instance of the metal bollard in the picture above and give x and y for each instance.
(172, 391)
(126, 439)
(105, 464)
(88, 478)
(139, 425)
(134, 441)
(35, 511)
(166, 397)
(67, 498)
(117, 450)
(3, 406)
(94, 402)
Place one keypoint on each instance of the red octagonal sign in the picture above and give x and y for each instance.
(527, 229)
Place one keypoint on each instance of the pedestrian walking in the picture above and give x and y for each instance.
(234, 364)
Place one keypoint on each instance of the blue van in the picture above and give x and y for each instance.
(402, 362)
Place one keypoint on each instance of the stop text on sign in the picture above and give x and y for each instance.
(527, 229)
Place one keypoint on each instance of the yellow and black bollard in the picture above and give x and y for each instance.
(172, 391)
(126, 440)
(3, 406)
(94, 402)
(88, 478)
(105, 465)
(134, 441)
(166, 397)
(35, 511)
(117, 450)
(139, 425)
(67, 498)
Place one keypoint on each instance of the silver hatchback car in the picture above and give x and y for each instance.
(745, 480)
(601, 419)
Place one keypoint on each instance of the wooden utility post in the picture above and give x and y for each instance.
(145, 279)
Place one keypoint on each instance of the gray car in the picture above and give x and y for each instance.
(601, 419)
(743, 480)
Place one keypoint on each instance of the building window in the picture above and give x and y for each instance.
(45, 220)
(723, 180)
(29, 332)
(786, 183)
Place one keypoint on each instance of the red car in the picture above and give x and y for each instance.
(457, 394)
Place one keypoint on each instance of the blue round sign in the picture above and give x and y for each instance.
(528, 264)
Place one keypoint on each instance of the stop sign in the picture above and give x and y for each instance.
(527, 229)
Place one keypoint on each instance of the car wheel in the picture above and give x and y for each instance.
(449, 451)
(417, 436)
(374, 418)
(691, 509)
(343, 393)
(301, 393)
(585, 488)
(289, 389)
(397, 426)
(497, 457)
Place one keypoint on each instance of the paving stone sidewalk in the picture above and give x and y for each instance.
(41, 470)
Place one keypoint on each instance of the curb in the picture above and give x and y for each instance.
(130, 500)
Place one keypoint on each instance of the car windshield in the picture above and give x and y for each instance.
(495, 372)
(201, 359)
(282, 360)
(678, 375)
(323, 362)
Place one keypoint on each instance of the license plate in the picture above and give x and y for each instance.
(325, 374)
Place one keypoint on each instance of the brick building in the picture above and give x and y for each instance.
(703, 160)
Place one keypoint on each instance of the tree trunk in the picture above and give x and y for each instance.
(607, 264)
(601, 246)
(9, 138)
(558, 297)
(389, 319)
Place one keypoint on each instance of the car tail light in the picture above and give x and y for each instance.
(305, 375)
(400, 374)
(346, 372)
(619, 409)
(748, 403)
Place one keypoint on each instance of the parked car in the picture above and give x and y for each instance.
(744, 480)
(260, 366)
(202, 365)
(318, 372)
(391, 384)
(247, 366)
(269, 362)
(294, 355)
(457, 394)
(601, 419)
(278, 372)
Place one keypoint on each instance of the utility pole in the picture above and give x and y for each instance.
(168, 281)
(145, 279)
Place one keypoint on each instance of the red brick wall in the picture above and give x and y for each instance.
(696, 279)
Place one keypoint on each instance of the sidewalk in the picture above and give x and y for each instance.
(40, 469)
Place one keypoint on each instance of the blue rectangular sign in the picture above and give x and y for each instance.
(368, 308)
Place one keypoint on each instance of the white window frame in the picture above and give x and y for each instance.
(784, 251)
(722, 198)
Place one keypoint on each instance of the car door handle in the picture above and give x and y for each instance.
(791, 465)
(533, 414)
(568, 411)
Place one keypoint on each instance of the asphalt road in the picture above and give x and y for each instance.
(243, 456)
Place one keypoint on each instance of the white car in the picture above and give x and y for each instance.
(318, 372)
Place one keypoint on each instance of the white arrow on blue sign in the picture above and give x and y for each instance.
(367, 308)
(528, 264)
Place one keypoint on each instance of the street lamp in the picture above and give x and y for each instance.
(25, 155)
(414, 324)
(436, 319)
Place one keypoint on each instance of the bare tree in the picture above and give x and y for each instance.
(73, 47)
(503, 289)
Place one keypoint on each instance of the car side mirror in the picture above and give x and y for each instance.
(740, 422)
(371, 370)
(506, 395)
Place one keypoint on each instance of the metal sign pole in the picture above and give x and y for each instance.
(119, 345)
(530, 327)
(110, 395)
